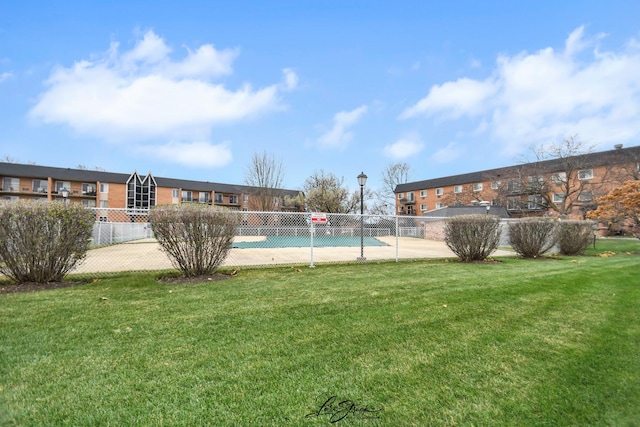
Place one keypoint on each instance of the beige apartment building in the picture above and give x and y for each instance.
(564, 187)
(134, 192)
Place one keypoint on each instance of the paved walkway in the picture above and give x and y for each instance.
(146, 254)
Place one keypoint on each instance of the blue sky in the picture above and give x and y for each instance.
(192, 89)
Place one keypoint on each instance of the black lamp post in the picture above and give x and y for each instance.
(362, 180)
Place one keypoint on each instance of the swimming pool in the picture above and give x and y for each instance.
(305, 242)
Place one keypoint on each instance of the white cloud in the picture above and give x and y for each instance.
(339, 135)
(532, 98)
(403, 148)
(199, 154)
(5, 76)
(145, 94)
(454, 99)
(475, 63)
(290, 79)
(447, 154)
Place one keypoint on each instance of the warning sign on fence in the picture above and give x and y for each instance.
(319, 218)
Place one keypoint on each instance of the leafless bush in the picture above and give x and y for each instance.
(41, 242)
(574, 236)
(196, 238)
(472, 237)
(532, 237)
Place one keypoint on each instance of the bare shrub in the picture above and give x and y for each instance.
(42, 242)
(472, 237)
(574, 236)
(196, 238)
(532, 237)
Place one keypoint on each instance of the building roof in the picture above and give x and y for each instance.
(35, 171)
(616, 156)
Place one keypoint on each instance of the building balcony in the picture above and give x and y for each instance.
(408, 201)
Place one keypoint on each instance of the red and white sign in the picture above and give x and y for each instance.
(319, 218)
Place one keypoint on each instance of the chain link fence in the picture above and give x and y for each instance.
(123, 240)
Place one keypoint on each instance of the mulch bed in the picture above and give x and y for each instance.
(34, 287)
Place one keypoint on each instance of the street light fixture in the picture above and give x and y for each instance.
(65, 194)
(362, 180)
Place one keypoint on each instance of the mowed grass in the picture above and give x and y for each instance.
(424, 343)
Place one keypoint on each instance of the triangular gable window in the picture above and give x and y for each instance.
(141, 193)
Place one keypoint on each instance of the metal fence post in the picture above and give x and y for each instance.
(397, 240)
(311, 245)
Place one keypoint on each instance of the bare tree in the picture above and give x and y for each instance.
(465, 195)
(326, 193)
(392, 175)
(630, 166)
(84, 168)
(9, 159)
(265, 174)
(555, 179)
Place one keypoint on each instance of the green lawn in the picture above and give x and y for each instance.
(426, 343)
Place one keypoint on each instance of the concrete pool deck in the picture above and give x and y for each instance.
(142, 255)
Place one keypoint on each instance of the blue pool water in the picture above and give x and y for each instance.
(305, 242)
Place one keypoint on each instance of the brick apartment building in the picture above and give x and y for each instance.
(565, 187)
(136, 193)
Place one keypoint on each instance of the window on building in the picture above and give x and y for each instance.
(88, 203)
(585, 174)
(410, 197)
(477, 186)
(104, 204)
(495, 185)
(400, 196)
(585, 196)
(423, 207)
(439, 191)
(457, 189)
(175, 193)
(40, 186)
(410, 210)
(10, 184)
(559, 178)
(558, 197)
(141, 192)
(205, 197)
(187, 196)
(88, 189)
(513, 186)
(535, 182)
(439, 205)
(535, 202)
(217, 198)
(62, 185)
(233, 199)
(513, 203)
(245, 198)
(400, 209)
(423, 193)
(10, 198)
(104, 188)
